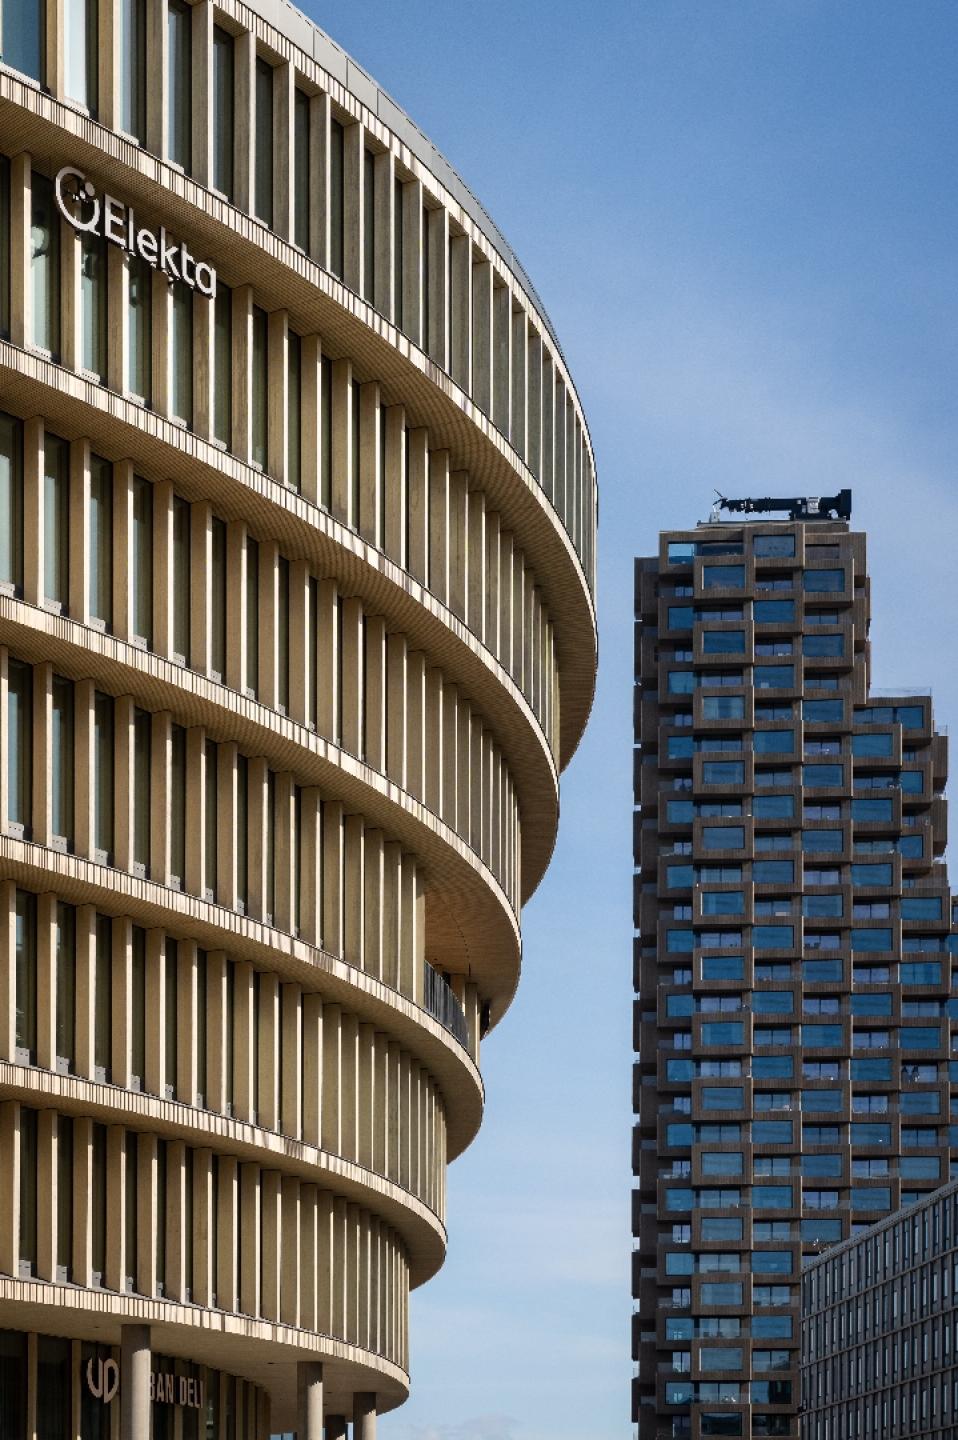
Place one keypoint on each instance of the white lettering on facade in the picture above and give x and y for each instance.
(82, 207)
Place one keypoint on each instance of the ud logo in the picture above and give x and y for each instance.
(103, 1381)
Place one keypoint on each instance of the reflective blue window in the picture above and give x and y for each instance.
(824, 1101)
(773, 872)
(824, 645)
(772, 1002)
(870, 1134)
(876, 1197)
(920, 1167)
(821, 1167)
(721, 1162)
(679, 1070)
(927, 972)
(912, 782)
(823, 840)
(820, 970)
(818, 907)
(871, 809)
(680, 747)
(769, 742)
(871, 1069)
(919, 1037)
(679, 812)
(718, 1227)
(721, 1097)
(772, 1132)
(772, 1197)
(818, 775)
(772, 1067)
(773, 807)
(679, 942)
(679, 877)
(821, 1035)
(773, 677)
(678, 1199)
(878, 744)
(920, 1102)
(866, 1004)
(681, 682)
(871, 874)
(818, 1228)
(722, 1032)
(921, 908)
(726, 577)
(772, 1262)
(772, 612)
(723, 642)
(772, 937)
(723, 772)
(823, 712)
(681, 617)
(679, 1262)
(723, 902)
(723, 707)
(870, 940)
(832, 581)
(679, 1005)
(723, 837)
(723, 967)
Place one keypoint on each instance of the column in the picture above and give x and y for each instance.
(135, 1367)
(364, 1415)
(309, 1384)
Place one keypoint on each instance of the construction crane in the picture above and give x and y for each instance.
(801, 507)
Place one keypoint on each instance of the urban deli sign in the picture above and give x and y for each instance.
(103, 1383)
(85, 210)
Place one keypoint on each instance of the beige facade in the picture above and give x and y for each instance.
(296, 633)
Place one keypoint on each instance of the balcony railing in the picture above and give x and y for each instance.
(440, 1001)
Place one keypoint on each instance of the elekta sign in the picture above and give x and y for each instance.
(85, 210)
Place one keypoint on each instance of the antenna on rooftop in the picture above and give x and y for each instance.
(801, 507)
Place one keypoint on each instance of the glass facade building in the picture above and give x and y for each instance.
(793, 1012)
(297, 632)
(880, 1329)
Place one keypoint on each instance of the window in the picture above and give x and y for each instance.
(824, 645)
(723, 642)
(723, 902)
(772, 612)
(132, 55)
(772, 1002)
(823, 712)
(725, 1097)
(832, 581)
(772, 1067)
(103, 752)
(680, 617)
(25, 1029)
(722, 1032)
(870, 939)
(301, 169)
(818, 775)
(56, 521)
(722, 967)
(773, 677)
(772, 937)
(181, 352)
(19, 746)
(782, 545)
(819, 1035)
(223, 364)
(61, 755)
(916, 908)
(223, 111)
(259, 382)
(772, 1197)
(93, 305)
(774, 807)
(768, 742)
(142, 571)
(263, 178)
(820, 1230)
(336, 175)
(139, 376)
(45, 266)
(723, 837)
(726, 577)
(723, 707)
(822, 906)
(80, 52)
(294, 444)
(180, 83)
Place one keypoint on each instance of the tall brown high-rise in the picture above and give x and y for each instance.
(792, 1079)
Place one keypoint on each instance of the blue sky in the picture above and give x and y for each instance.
(741, 215)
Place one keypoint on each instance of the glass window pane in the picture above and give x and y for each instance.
(11, 502)
(180, 80)
(293, 410)
(93, 301)
(260, 381)
(4, 247)
(56, 520)
(100, 597)
(181, 352)
(80, 51)
(45, 266)
(26, 976)
(22, 37)
(66, 987)
(301, 170)
(103, 774)
(61, 756)
(19, 744)
(139, 376)
(223, 365)
(132, 53)
(223, 111)
(142, 549)
(336, 208)
(263, 179)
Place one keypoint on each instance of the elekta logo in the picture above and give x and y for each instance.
(83, 208)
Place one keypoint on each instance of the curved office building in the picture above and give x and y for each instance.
(297, 517)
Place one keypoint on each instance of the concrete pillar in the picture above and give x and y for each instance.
(135, 1367)
(364, 1415)
(309, 1381)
